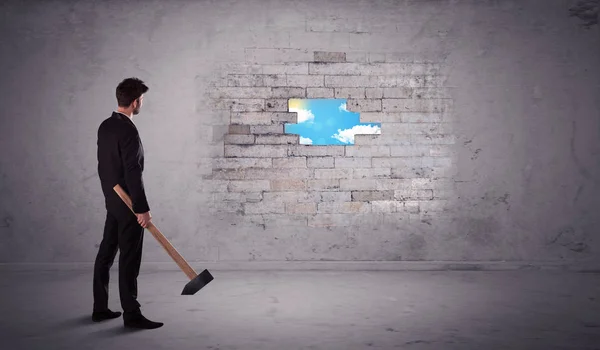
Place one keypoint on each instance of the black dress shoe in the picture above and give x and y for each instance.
(98, 316)
(141, 322)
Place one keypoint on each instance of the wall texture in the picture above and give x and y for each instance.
(488, 151)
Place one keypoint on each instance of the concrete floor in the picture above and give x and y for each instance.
(288, 310)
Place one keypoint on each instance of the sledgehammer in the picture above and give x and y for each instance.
(197, 281)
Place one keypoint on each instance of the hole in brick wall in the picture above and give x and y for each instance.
(327, 122)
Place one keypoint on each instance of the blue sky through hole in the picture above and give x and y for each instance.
(327, 122)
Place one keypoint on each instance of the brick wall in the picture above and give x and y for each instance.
(266, 176)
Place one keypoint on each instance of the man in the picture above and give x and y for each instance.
(121, 161)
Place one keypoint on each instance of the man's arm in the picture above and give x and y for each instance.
(130, 151)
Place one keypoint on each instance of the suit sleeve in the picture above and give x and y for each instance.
(130, 152)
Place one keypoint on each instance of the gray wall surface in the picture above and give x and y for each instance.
(490, 128)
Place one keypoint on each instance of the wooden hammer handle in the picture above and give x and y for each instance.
(183, 265)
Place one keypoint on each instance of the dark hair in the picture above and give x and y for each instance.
(130, 90)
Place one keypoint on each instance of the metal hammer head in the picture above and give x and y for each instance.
(197, 283)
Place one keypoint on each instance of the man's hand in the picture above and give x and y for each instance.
(144, 219)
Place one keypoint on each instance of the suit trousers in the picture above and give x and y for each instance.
(125, 234)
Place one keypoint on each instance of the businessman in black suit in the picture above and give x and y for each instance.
(121, 161)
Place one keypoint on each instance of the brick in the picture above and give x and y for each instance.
(367, 196)
(433, 139)
(343, 207)
(233, 139)
(401, 117)
(240, 105)
(288, 185)
(432, 183)
(336, 196)
(358, 93)
(384, 206)
(263, 118)
(288, 92)
(272, 80)
(289, 162)
(376, 92)
(357, 56)
(411, 207)
(241, 68)
(267, 129)
(292, 196)
(240, 92)
(239, 129)
(263, 207)
(283, 139)
(422, 117)
(248, 186)
(235, 80)
(398, 57)
(343, 162)
(333, 173)
(256, 151)
(397, 92)
(397, 162)
(323, 184)
(441, 151)
(305, 150)
(410, 173)
(260, 173)
(276, 56)
(324, 56)
(411, 105)
(287, 68)
(415, 128)
(360, 81)
(414, 194)
(236, 163)
(284, 220)
(434, 81)
(367, 151)
(363, 105)
(319, 92)
(393, 184)
(409, 151)
(229, 197)
(277, 105)
(253, 197)
(306, 80)
(300, 208)
(442, 172)
(435, 206)
(358, 184)
(320, 162)
(432, 92)
(367, 139)
(410, 81)
(369, 173)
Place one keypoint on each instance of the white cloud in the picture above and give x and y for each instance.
(347, 135)
(342, 107)
(305, 141)
(304, 115)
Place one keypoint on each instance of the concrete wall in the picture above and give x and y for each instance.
(489, 110)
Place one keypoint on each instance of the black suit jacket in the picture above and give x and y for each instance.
(121, 161)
